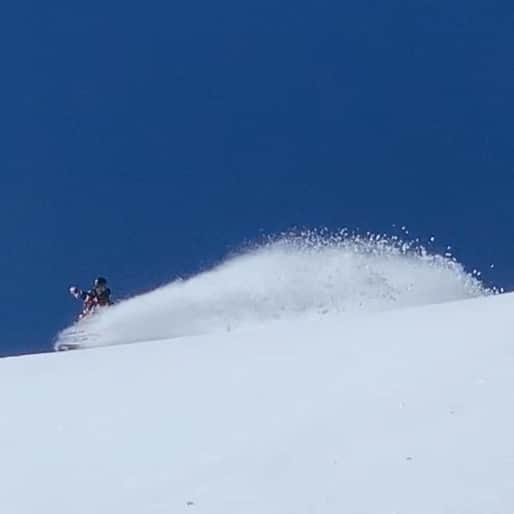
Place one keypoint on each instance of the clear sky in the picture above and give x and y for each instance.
(143, 141)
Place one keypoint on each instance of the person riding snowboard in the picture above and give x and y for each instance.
(98, 296)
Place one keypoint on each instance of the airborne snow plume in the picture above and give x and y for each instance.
(296, 276)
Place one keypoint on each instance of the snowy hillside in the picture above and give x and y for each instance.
(323, 408)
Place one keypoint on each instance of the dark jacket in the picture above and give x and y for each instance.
(92, 298)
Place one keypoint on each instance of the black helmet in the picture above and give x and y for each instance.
(100, 281)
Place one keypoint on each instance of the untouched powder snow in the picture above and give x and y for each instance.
(296, 277)
(398, 412)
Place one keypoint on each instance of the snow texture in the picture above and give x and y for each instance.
(301, 277)
(361, 408)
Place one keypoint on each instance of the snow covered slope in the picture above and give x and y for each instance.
(377, 411)
(399, 412)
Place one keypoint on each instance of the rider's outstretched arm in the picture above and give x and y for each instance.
(77, 293)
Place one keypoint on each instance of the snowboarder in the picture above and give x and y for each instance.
(98, 296)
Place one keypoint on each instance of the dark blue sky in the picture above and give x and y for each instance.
(145, 140)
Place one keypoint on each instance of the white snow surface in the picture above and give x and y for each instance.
(361, 408)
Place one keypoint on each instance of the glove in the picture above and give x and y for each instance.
(75, 291)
